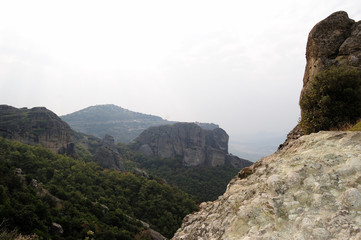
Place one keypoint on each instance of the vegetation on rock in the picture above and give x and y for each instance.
(332, 100)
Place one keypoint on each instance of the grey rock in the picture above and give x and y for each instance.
(36, 126)
(57, 228)
(195, 145)
(293, 194)
(107, 154)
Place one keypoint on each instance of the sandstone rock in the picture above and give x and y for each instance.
(36, 126)
(196, 146)
(293, 194)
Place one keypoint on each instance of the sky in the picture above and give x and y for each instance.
(238, 64)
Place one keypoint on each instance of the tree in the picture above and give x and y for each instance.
(332, 100)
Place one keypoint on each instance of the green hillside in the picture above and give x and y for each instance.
(82, 197)
(204, 182)
(124, 125)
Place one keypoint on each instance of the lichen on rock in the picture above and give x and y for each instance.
(304, 191)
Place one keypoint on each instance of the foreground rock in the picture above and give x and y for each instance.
(311, 189)
(195, 145)
(36, 126)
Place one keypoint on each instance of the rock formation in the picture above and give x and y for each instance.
(335, 41)
(107, 154)
(36, 126)
(311, 189)
(189, 141)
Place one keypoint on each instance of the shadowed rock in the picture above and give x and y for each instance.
(196, 146)
(36, 126)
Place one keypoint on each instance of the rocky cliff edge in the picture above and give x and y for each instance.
(311, 189)
(195, 145)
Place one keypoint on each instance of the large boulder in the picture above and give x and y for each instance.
(36, 126)
(195, 145)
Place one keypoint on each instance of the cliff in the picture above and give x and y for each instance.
(195, 145)
(311, 189)
(36, 126)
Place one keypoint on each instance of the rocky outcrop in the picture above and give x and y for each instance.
(36, 126)
(196, 146)
(335, 41)
(107, 154)
(311, 189)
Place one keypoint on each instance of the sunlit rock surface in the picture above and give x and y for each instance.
(311, 189)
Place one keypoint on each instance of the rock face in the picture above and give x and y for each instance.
(107, 154)
(335, 40)
(36, 126)
(196, 146)
(311, 189)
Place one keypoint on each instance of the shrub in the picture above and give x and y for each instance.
(332, 100)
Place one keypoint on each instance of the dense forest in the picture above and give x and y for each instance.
(203, 182)
(40, 189)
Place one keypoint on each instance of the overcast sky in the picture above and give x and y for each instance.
(238, 63)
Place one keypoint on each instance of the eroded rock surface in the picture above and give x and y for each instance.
(311, 189)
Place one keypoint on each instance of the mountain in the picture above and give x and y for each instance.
(124, 125)
(36, 126)
(195, 145)
(310, 189)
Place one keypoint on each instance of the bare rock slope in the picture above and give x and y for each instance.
(311, 189)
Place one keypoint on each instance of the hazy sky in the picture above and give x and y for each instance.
(235, 63)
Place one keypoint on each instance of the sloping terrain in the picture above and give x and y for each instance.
(311, 189)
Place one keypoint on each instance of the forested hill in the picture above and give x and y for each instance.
(124, 125)
(57, 197)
